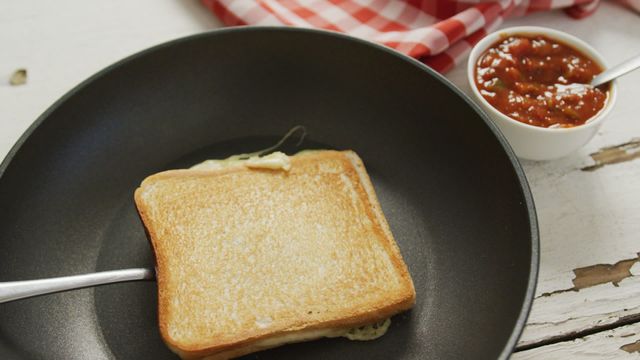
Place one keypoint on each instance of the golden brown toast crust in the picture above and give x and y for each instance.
(345, 166)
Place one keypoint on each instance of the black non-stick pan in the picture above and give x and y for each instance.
(452, 190)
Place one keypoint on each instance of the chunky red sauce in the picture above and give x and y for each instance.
(539, 81)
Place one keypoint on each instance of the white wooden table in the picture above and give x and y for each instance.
(588, 297)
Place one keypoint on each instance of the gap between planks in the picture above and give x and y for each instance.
(575, 312)
(619, 343)
(624, 321)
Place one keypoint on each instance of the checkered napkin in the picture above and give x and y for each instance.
(439, 33)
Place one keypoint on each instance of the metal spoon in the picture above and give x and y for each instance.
(14, 290)
(616, 71)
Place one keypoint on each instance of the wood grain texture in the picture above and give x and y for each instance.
(619, 344)
(570, 312)
(615, 154)
(602, 273)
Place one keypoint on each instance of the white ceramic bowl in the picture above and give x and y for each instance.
(534, 142)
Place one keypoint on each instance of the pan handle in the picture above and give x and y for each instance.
(14, 290)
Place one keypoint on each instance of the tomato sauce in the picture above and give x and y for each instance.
(540, 81)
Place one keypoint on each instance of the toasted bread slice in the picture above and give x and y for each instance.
(248, 259)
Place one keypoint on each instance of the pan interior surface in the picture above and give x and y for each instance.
(455, 199)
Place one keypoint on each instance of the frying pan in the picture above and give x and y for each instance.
(455, 196)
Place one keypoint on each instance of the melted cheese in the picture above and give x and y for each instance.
(363, 333)
(274, 161)
(368, 332)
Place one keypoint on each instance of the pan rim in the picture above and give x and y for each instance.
(517, 167)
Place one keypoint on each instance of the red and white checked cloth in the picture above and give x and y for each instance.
(439, 33)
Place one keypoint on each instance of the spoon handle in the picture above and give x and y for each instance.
(616, 71)
(14, 290)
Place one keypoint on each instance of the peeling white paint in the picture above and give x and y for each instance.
(574, 311)
(602, 346)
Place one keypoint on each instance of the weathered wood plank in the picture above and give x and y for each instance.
(569, 312)
(620, 343)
